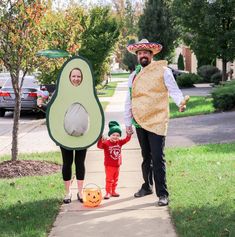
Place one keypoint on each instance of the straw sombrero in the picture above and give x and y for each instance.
(144, 44)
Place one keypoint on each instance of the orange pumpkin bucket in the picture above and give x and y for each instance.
(92, 195)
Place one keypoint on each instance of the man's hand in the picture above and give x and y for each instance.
(183, 103)
(129, 130)
(182, 108)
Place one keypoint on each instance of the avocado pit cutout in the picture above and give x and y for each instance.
(76, 120)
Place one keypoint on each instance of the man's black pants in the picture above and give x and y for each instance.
(152, 149)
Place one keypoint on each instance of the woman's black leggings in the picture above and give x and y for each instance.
(67, 156)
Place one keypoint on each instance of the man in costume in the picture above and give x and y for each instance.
(147, 108)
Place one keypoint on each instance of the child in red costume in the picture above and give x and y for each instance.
(112, 156)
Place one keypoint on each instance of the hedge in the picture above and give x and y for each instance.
(224, 97)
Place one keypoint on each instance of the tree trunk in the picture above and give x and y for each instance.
(15, 131)
(224, 70)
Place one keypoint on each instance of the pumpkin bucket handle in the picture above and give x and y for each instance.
(86, 186)
(92, 195)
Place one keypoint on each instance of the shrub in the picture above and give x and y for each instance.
(230, 83)
(216, 78)
(180, 62)
(206, 72)
(224, 97)
(187, 80)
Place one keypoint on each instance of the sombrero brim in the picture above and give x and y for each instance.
(154, 47)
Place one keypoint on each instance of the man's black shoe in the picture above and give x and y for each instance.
(142, 192)
(163, 201)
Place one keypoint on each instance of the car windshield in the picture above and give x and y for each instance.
(29, 82)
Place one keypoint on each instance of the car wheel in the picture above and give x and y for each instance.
(2, 112)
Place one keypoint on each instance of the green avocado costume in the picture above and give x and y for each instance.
(75, 118)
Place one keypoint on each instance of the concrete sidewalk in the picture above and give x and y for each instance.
(122, 216)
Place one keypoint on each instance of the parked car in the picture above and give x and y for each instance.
(30, 92)
(177, 72)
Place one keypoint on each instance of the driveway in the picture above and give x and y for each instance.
(201, 129)
(197, 91)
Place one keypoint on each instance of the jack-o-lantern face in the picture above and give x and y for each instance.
(92, 197)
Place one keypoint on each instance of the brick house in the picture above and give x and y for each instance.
(190, 61)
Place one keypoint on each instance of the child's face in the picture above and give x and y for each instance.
(114, 136)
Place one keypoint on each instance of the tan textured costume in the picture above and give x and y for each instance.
(150, 99)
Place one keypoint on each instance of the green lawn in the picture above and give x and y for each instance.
(120, 75)
(201, 182)
(200, 179)
(29, 205)
(107, 90)
(196, 105)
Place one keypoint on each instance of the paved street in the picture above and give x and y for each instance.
(27, 127)
(7, 121)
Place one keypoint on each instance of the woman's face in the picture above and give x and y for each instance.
(76, 77)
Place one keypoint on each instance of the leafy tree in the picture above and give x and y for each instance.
(157, 24)
(62, 30)
(127, 12)
(221, 19)
(20, 39)
(210, 32)
(91, 34)
(130, 60)
(98, 40)
(180, 62)
(199, 43)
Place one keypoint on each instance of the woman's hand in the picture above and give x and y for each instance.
(39, 101)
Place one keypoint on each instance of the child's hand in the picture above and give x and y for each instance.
(129, 134)
(129, 130)
(103, 138)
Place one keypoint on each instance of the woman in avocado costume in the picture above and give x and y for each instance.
(74, 120)
(75, 77)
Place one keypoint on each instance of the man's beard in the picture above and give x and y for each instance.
(144, 62)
